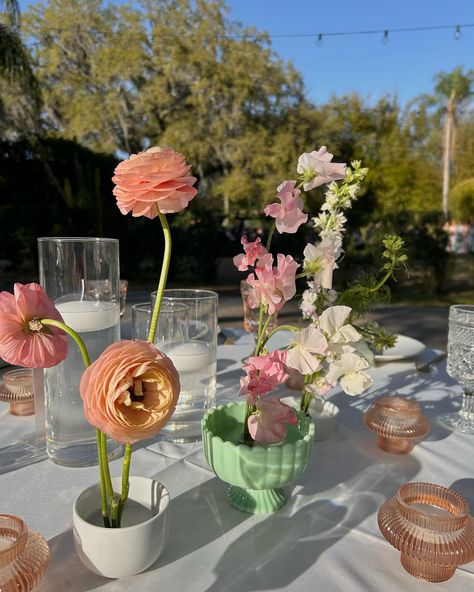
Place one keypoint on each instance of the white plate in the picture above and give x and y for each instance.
(405, 348)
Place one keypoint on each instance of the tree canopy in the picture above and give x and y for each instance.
(116, 79)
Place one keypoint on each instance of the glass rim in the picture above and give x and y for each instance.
(462, 308)
(188, 294)
(147, 306)
(76, 239)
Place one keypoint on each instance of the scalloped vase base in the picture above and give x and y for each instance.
(256, 501)
(426, 571)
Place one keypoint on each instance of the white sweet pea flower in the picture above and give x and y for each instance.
(333, 324)
(315, 168)
(305, 346)
(320, 260)
(349, 368)
(320, 387)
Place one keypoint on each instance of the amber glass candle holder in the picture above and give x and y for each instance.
(431, 527)
(398, 423)
(24, 555)
(17, 389)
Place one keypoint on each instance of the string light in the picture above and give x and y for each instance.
(319, 36)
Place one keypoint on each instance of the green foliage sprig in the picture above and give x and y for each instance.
(372, 289)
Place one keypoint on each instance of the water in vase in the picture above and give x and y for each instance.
(196, 364)
(70, 439)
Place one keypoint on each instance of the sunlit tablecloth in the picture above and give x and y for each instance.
(326, 537)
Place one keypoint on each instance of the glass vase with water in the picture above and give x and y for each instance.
(81, 276)
(187, 333)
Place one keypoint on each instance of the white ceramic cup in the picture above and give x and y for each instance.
(129, 550)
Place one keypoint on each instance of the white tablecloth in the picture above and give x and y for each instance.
(326, 537)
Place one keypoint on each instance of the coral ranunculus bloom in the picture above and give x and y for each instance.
(24, 341)
(130, 391)
(152, 181)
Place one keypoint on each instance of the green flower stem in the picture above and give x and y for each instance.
(109, 490)
(105, 486)
(125, 482)
(103, 492)
(307, 397)
(262, 327)
(163, 277)
(270, 236)
(275, 330)
(383, 281)
(74, 335)
(301, 275)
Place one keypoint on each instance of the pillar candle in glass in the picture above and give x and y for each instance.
(81, 276)
(194, 357)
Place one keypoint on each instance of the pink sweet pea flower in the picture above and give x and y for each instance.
(317, 169)
(253, 251)
(152, 181)
(24, 341)
(288, 215)
(264, 373)
(130, 391)
(268, 424)
(272, 286)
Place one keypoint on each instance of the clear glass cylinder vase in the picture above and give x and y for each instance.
(81, 275)
(187, 333)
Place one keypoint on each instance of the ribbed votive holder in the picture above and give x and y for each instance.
(431, 527)
(17, 389)
(398, 423)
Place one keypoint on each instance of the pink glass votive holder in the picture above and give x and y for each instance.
(17, 389)
(24, 555)
(398, 423)
(431, 527)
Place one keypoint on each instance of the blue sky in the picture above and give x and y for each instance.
(404, 66)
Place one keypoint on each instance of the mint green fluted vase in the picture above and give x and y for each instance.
(256, 473)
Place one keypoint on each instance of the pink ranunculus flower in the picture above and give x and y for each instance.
(253, 251)
(268, 424)
(273, 286)
(263, 374)
(130, 391)
(317, 169)
(24, 341)
(289, 214)
(151, 181)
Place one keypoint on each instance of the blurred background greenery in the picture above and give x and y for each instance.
(97, 82)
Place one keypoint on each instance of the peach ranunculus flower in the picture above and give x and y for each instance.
(24, 341)
(130, 391)
(152, 181)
